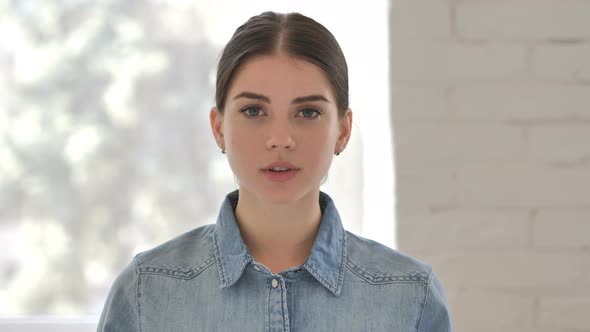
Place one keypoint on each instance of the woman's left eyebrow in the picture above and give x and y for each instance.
(309, 98)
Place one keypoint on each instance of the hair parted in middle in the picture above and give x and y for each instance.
(294, 34)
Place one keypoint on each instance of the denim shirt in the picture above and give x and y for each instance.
(206, 280)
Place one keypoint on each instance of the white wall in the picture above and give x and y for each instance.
(491, 117)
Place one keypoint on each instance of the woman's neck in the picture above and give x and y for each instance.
(280, 236)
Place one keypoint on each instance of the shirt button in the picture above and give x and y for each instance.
(275, 283)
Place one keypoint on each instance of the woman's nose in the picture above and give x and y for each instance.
(280, 136)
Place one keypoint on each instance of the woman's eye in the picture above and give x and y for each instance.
(309, 113)
(252, 111)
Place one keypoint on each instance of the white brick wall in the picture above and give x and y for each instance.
(443, 61)
(488, 143)
(491, 117)
(421, 18)
(523, 20)
(493, 231)
(522, 103)
(562, 62)
(565, 312)
(500, 310)
(566, 229)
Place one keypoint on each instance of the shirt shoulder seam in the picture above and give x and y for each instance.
(137, 292)
(385, 278)
(426, 296)
(175, 272)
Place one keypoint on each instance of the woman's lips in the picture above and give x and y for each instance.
(280, 171)
(280, 164)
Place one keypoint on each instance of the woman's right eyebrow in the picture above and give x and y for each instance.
(252, 95)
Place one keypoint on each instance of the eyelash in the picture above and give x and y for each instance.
(245, 110)
(317, 113)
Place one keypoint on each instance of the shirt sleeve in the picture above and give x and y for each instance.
(121, 310)
(436, 316)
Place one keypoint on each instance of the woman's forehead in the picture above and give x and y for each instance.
(280, 74)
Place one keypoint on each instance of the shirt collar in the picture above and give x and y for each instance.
(325, 263)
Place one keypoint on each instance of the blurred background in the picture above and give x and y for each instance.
(484, 105)
(105, 145)
(491, 121)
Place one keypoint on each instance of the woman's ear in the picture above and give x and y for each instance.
(216, 119)
(344, 130)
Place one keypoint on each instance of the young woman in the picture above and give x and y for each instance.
(278, 258)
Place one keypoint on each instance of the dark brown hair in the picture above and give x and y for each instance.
(296, 35)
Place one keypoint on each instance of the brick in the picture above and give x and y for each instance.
(521, 102)
(523, 20)
(562, 229)
(457, 143)
(460, 230)
(424, 187)
(566, 146)
(564, 312)
(419, 105)
(562, 62)
(524, 272)
(497, 310)
(522, 185)
(420, 19)
(441, 62)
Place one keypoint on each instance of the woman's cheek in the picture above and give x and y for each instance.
(244, 145)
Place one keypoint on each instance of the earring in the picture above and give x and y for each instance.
(223, 151)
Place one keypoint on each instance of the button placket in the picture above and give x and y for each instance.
(278, 313)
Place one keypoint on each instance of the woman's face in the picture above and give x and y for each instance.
(280, 109)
